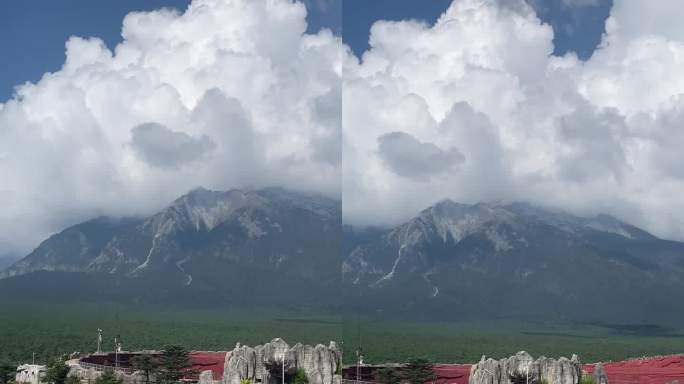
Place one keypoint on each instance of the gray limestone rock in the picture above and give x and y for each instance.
(522, 368)
(600, 375)
(206, 377)
(264, 363)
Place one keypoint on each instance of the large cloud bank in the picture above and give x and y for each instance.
(481, 104)
(230, 93)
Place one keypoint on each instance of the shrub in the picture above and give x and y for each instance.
(56, 372)
(300, 377)
(418, 371)
(388, 376)
(7, 372)
(587, 379)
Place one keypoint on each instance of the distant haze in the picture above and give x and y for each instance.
(7, 260)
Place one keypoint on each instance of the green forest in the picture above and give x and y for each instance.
(57, 329)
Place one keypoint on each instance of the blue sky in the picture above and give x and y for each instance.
(35, 30)
(577, 24)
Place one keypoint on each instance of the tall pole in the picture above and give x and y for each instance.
(283, 378)
(358, 365)
(358, 352)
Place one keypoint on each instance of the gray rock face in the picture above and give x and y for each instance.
(264, 363)
(457, 257)
(561, 371)
(206, 377)
(30, 373)
(252, 227)
(522, 368)
(600, 375)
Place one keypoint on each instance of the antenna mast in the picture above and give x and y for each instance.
(99, 341)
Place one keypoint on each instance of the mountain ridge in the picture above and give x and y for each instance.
(459, 259)
(132, 246)
(450, 261)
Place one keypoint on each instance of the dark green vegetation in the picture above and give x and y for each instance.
(388, 376)
(300, 377)
(418, 371)
(54, 329)
(7, 372)
(51, 330)
(174, 364)
(56, 372)
(146, 363)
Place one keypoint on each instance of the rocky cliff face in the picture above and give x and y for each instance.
(264, 363)
(203, 240)
(515, 260)
(271, 246)
(449, 228)
(522, 368)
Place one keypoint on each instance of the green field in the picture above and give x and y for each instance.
(50, 330)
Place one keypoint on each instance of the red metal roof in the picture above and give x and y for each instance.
(452, 373)
(204, 361)
(654, 370)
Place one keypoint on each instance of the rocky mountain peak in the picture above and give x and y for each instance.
(205, 209)
(609, 224)
(455, 221)
(255, 227)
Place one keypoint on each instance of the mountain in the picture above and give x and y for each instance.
(247, 245)
(516, 261)
(277, 247)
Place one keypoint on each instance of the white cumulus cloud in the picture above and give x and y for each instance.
(229, 93)
(601, 135)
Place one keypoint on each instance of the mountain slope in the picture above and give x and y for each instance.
(72, 249)
(452, 261)
(456, 260)
(222, 244)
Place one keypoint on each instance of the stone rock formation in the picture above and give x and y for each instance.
(30, 373)
(206, 377)
(522, 368)
(600, 375)
(89, 375)
(264, 363)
